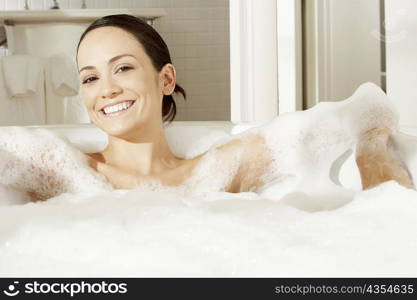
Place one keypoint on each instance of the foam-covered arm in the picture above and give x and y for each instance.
(43, 164)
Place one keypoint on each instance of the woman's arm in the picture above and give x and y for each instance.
(376, 163)
(254, 165)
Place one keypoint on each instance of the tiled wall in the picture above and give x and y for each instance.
(197, 33)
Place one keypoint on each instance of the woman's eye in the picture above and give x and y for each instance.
(89, 80)
(123, 69)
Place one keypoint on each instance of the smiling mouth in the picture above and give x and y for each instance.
(117, 109)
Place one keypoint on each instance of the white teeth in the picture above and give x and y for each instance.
(117, 107)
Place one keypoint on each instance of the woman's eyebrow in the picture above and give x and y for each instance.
(111, 60)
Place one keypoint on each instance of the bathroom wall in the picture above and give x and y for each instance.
(401, 47)
(343, 49)
(355, 55)
(197, 33)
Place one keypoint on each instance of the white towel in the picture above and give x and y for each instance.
(26, 110)
(35, 68)
(63, 74)
(21, 74)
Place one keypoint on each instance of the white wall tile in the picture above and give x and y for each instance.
(126, 4)
(64, 4)
(89, 3)
(11, 5)
(75, 4)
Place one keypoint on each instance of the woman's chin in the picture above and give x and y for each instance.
(114, 128)
(123, 132)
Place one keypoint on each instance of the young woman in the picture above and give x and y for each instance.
(127, 82)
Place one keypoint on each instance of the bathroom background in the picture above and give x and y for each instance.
(249, 60)
(197, 33)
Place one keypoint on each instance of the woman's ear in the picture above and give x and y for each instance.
(168, 79)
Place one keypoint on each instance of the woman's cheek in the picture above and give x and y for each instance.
(88, 98)
(131, 83)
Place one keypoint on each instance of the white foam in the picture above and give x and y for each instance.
(144, 233)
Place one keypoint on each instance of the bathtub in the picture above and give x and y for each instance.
(144, 233)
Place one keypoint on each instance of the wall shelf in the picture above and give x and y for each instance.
(13, 17)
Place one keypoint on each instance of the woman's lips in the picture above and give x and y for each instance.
(120, 112)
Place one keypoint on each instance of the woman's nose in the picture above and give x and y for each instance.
(110, 90)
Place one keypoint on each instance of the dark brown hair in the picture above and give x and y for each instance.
(154, 46)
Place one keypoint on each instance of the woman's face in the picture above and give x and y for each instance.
(121, 89)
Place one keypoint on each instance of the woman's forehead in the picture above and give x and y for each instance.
(108, 41)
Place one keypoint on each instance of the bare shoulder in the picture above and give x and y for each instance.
(256, 160)
(252, 140)
(249, 144)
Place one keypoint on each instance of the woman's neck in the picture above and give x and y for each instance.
(144, 156)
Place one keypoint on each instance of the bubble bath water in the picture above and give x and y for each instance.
(304, 223)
